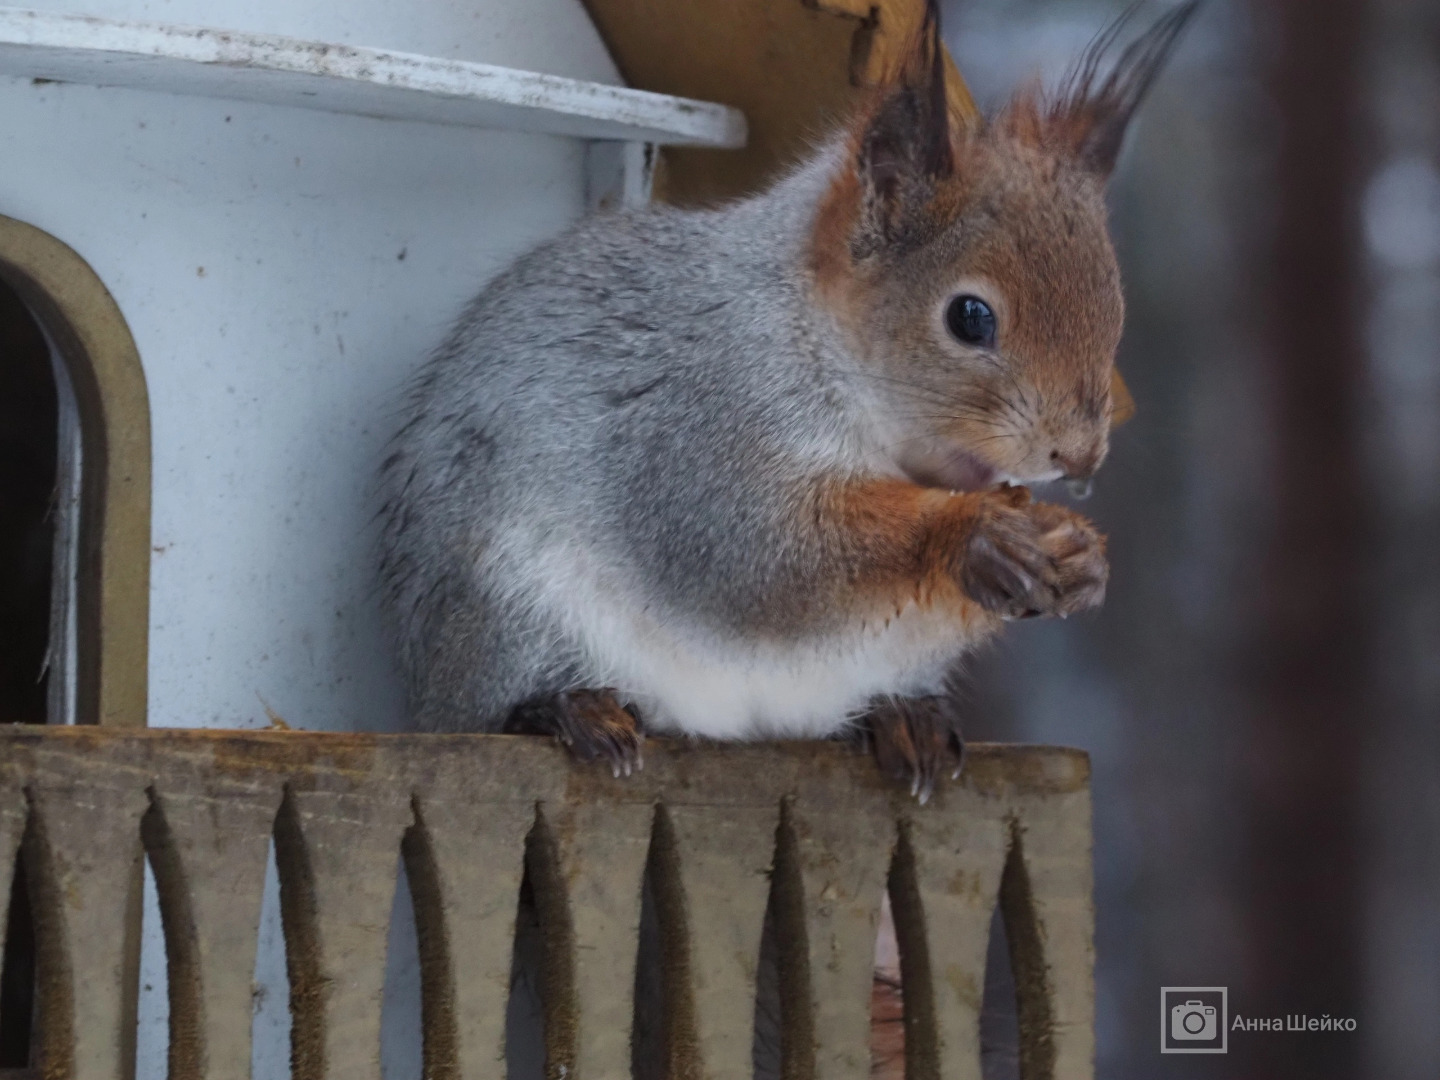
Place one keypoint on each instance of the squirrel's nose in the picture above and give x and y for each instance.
(1076, 466)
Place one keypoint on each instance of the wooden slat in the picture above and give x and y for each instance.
(959, 853)
(351, 798)
(602, 850)
(845, 840)
(211, 875)
(1055, 846)
(475, 819)
(87, 879)
(350, 826)
(725, 854)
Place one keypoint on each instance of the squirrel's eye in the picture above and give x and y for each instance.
(970, 320)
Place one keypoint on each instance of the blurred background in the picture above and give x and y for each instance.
(1261, 694)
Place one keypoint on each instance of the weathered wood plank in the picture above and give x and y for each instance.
(724, 855)
(472, 821)
(86, 860)
(844, 839)
(601, 851)
(208, 839)
(465, 805)
(1055, 845)
(956, 856)
(337, 847)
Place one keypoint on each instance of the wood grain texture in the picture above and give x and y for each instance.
(339, 863)
(208, 840)
(724, 856)
(343, 808)
(85, 861)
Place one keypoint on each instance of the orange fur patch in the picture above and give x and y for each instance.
(830, 260)
(900, 542)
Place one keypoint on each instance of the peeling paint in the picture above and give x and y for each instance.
(349, 79)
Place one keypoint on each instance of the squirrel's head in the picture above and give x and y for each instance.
(969, 261)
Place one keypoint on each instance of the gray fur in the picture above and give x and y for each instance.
(654, 386)
(641, 458)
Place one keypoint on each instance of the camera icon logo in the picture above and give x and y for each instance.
(1193, 1019)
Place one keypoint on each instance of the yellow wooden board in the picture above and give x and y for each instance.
(795, 69)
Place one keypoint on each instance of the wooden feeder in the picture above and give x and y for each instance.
(233, 235)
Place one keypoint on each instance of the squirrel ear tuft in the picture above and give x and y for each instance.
(905, 143)
(927, 58)
(1090, 116)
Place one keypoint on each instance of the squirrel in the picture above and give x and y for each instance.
(762, 470)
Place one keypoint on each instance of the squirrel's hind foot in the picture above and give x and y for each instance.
(590, 723)
(916, 740)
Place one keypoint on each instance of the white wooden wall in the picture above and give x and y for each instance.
(282, 271)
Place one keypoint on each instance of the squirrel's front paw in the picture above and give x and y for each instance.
(1024, 559)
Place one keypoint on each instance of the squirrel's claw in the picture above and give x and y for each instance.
(1033, 559)
(591, 724)
(915, 739)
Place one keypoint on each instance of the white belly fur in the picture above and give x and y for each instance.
(686, 679)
